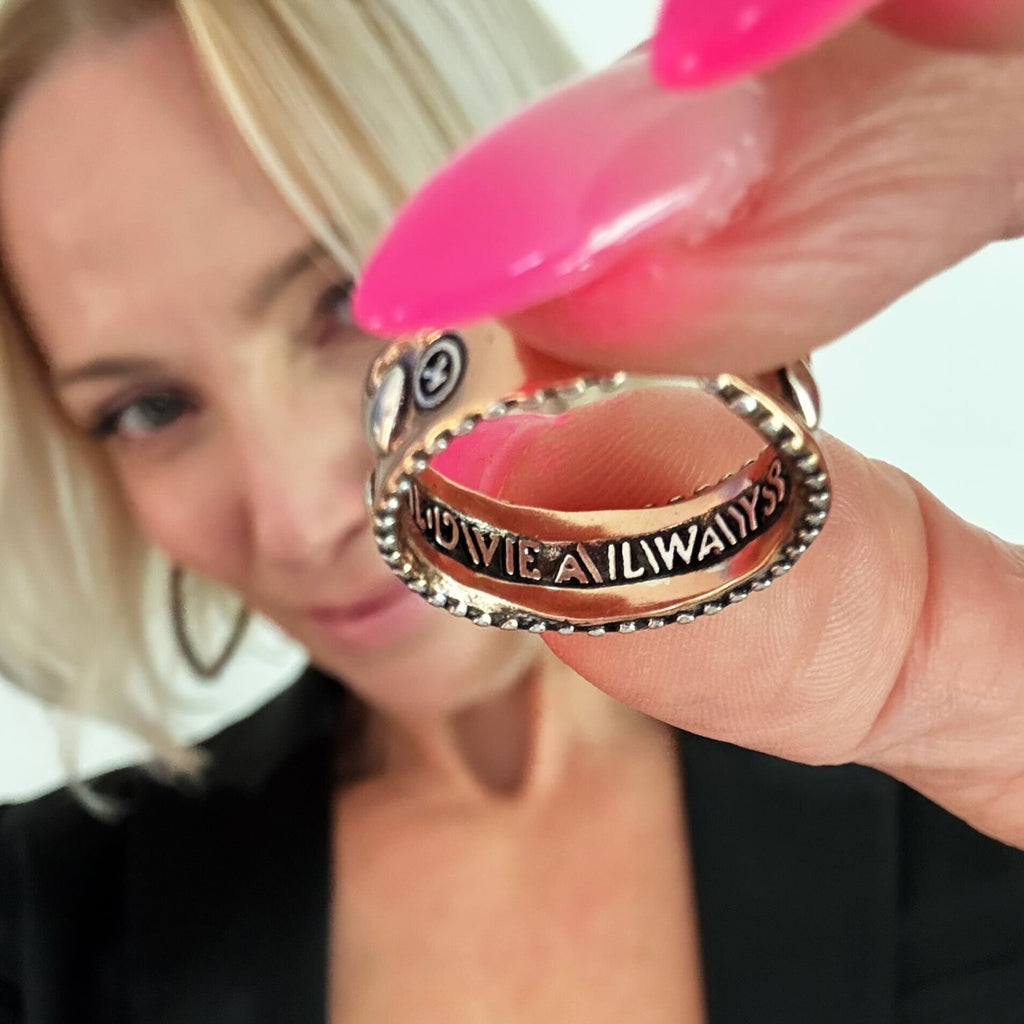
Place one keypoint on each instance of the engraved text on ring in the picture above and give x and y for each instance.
(694, 544)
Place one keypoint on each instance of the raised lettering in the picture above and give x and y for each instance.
(628, 571)
(570, 570)
(649, 555)
(446, 519)
(675, 546)
(470, 546)
(729, 535)
(527, 556)
(775, 477)
(749, 505)
(589, 563)
(417, 510)
(740, 521)
(709, 542)
(488, 547)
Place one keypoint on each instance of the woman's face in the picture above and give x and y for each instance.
(190, 325)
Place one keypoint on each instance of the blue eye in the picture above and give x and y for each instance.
(142, 417)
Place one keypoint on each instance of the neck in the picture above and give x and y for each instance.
(516, 742)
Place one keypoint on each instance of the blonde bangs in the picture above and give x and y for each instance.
(347, 105)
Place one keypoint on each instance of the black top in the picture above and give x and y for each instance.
(826, 895)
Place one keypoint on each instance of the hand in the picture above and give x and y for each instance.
(897, 642)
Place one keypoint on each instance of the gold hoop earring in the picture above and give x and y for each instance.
(207, 670)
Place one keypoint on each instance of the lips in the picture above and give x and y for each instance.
(378, 619)
(353, 611)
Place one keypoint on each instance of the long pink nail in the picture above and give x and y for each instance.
(560, 192)
(705, 42)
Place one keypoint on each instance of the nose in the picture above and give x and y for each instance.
(303, 490)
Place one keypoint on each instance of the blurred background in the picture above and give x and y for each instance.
(932, 385)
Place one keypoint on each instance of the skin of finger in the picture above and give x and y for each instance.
(953, 724)
(963, 24)
(789, 671)
(892, 162)
(882, 646)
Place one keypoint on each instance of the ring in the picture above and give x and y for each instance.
(621, 570)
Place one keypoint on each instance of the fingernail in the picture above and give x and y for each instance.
(556, 195)
(700, 43)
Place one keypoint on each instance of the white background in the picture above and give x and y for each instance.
(932, 385)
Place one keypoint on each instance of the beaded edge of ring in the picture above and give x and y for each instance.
(812, 479)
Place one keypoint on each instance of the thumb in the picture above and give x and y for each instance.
(699, 44)
(894, 641)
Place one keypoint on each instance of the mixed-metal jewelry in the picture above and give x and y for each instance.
(618, 570)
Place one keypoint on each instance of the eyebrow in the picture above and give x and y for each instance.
(270, 284)
(102, 369)
(267, 288)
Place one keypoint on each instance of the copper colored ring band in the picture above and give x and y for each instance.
(517, 567)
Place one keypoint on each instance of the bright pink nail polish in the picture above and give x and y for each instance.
(560, 192)
(700, 43)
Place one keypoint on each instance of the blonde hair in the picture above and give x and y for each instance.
(347, 105)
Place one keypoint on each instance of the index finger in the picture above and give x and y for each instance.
(887, 163)
(699, 44)
(891, 163)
